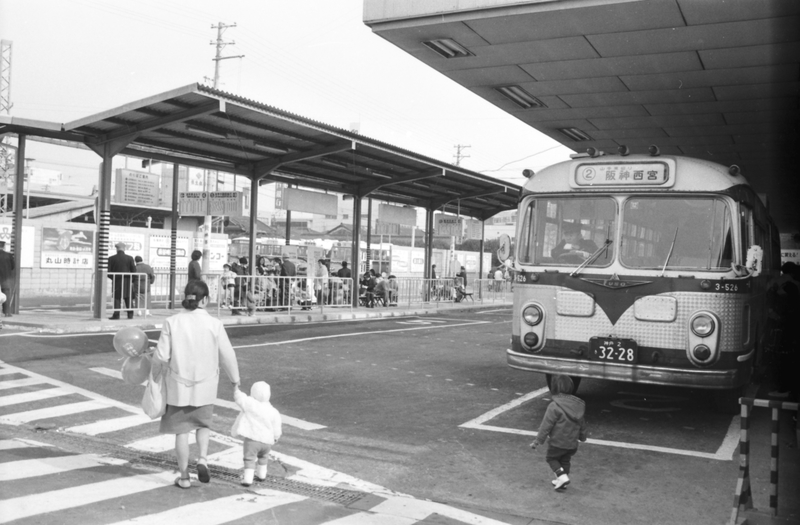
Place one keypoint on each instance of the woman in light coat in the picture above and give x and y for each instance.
(192, 348)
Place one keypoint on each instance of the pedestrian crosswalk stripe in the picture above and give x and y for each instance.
(45, 413)
(30, 468)
(220, 510)
(369, 518)
(17, 383)
(419, 510)
(11, 444)
(7, 371)
(110, 425)
(28, 397)
(56, 500)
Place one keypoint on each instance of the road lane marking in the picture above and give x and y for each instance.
(29, 397)
(55, 500)
(354, 334)
(11, 444)
(17, 383)
(368, 518)
(289, 420)
(30, 468)
(105, 426)
(20, 418)
(724, 452)
(220, 510)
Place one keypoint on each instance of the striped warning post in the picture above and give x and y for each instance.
(743, 496)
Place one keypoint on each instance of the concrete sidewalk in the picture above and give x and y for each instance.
(59, 322)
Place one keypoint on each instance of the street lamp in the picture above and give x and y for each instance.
(28, 191)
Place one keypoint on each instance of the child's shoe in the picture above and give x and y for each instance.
(561, 481)
(247, 477)
(261, 473)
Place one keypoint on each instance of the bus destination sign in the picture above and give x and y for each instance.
(622, 174)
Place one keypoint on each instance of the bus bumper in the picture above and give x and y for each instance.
(708, 379)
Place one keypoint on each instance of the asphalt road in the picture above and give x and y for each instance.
(427, 407)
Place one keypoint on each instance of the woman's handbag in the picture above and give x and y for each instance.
(154, 402)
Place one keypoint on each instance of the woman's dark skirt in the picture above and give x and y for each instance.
(180, 420)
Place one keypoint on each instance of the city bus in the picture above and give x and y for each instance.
(644, 269)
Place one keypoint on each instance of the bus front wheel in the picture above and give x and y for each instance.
(576, 381)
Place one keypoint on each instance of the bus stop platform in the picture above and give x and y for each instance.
(65, 322)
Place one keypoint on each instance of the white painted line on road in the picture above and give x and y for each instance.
(55, 500)
(160, 443)
(289, 420)
(20, 418)
(15, 333)
(28, 397)
(723, 453)
(220, 510)
(353, 334)
(17, 383)
(8, 371)
(493, 311)
(420, 510)
(31, 468)
(11, 444)
(111, 425)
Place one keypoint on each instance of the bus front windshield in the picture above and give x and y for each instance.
(692, 233)
(568, 231)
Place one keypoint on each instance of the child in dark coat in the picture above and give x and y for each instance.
(564, 423)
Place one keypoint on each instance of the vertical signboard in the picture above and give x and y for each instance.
(193, 203)
(67, 248)
(160, 250)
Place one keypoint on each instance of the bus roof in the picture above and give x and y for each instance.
(617, 173)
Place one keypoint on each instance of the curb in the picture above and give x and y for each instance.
(102, 326)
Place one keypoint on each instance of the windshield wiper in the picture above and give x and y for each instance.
(591, 258)
(672, 247)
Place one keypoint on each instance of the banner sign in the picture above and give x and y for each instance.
(137, 187)
(65, 248)
(449, 225)
(134, 243)
(218, 256)
(160, 250)
(310, 202)
(28, 235)
(398, 215)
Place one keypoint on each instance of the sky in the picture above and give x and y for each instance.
(316, 58)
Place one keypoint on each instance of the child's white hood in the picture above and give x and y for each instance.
(260, 391)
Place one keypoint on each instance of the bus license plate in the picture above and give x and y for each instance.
(614, 350)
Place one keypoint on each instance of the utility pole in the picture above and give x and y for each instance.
(459, 155)
(208, 221)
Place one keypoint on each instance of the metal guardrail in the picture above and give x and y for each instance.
(743, 497)
(270, 293)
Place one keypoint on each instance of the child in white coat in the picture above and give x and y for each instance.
(259, 424)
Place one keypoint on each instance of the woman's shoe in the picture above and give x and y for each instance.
(203, 476)
(184, 483)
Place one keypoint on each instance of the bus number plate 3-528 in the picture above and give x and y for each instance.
(613, 350)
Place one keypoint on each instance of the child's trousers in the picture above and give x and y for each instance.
(559, 458)
(255, 450)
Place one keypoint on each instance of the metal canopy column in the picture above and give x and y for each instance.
(428, 242)
(16, 245)
(173, 237)
(355, 251)
(369, 234)
(254, 185)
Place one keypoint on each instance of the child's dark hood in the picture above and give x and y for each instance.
(573, 407)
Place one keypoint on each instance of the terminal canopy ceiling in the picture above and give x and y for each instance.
(714, 79)
(202, 127)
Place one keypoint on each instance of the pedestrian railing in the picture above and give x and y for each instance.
(743, 497)
(250, 294)
(127, 292)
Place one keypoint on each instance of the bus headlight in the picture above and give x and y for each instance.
(532, 315)
(702, 325)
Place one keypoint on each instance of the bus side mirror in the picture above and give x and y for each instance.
(754, 257)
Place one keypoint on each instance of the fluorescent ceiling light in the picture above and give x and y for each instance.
(520, 97)
(207, 132)
(335, 163)
(575, 134)
(271, 149)
(448, 48)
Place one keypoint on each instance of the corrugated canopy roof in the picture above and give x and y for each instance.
(206, 128)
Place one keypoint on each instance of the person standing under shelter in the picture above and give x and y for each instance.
(463, 276)
(195, 270)
(143, 300)
(123, 290)
(7, 271)
(321, 282)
